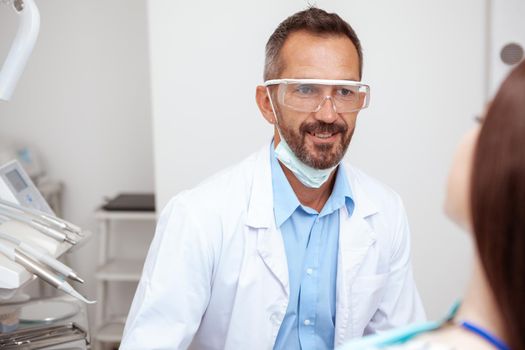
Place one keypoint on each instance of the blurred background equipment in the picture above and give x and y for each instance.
(28, 28)
(31, 161)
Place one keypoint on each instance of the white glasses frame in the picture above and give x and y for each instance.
(358, 84)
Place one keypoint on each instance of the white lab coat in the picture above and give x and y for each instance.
(216, 274)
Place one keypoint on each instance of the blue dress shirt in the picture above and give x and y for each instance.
(311, 244)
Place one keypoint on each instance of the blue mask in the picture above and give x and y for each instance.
(310, 177)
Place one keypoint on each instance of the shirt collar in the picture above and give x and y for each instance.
(285, 201)
(341, 194)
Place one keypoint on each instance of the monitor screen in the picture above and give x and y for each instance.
(16, 180)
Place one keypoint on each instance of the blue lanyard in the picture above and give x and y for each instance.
(498, 343)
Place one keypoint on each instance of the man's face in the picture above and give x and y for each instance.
(319, 139)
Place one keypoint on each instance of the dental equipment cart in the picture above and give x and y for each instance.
(32, 238)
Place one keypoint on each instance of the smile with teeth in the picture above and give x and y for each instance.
(323, 135)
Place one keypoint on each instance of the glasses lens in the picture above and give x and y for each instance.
(310, 97)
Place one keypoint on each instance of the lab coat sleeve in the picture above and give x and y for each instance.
(401, 304)
(174, 289)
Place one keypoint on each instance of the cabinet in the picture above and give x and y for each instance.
(113, 270)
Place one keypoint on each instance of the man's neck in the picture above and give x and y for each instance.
(314, 198)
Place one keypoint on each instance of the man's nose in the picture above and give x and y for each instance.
(327, 112)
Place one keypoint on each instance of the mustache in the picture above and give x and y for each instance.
(322, 127)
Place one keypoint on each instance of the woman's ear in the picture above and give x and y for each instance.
(263, 102)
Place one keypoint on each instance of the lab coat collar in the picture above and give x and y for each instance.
(260, 207)
(285, 201)
(364, 206)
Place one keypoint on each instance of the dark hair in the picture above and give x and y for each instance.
(498, 202)
(312, 20)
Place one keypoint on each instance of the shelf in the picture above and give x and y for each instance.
(121, 270)
(110, 329)
(110, 332)
(125, 215)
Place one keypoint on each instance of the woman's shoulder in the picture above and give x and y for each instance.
(415, 345)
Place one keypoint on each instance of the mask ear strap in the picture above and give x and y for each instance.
(273, 108)
(275, 114)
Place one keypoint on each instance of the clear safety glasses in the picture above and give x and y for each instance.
(309, 95)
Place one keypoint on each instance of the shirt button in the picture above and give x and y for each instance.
(307, 322)
(309, 271)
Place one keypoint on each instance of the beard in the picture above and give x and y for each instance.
(323, 155)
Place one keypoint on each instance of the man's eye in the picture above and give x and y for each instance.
(305, 89)
(346, 92)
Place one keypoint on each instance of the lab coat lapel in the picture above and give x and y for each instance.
(270, 244)
(356, 236)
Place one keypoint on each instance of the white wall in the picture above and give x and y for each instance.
(425, 63)
(83, 102)
(506, 26)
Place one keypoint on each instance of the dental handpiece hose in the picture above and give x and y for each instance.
(43, 256)
(34, 267)
(59, 223)
(59, 236)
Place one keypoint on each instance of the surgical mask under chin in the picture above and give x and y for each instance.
(310, 177)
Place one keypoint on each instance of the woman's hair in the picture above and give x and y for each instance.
(498, 202)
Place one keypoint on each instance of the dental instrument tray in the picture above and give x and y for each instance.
(42, 337)
(47, 311)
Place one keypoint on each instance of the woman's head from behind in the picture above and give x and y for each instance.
(497, 202)
(486, 195)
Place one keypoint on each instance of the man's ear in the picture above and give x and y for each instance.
(263, 102)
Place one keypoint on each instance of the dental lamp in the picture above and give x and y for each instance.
(28, 27)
